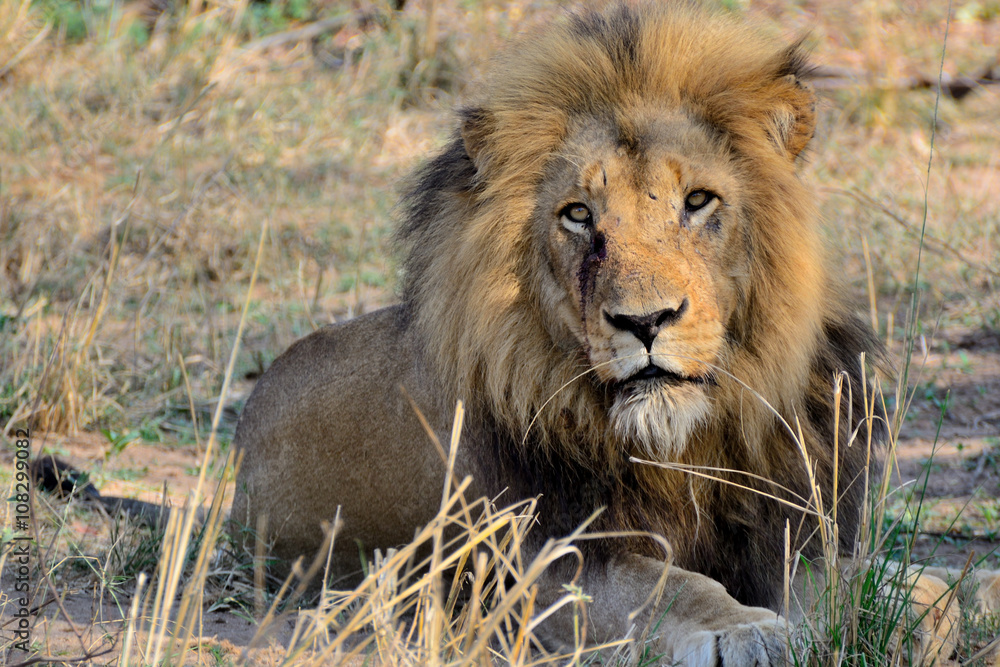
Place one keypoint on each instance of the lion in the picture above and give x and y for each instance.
(614, 263)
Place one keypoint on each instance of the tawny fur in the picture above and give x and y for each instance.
(470, 252)
(519, 313)
(472, 264)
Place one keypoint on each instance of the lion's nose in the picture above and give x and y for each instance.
(646, 327)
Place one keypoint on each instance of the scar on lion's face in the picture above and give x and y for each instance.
(642, 240)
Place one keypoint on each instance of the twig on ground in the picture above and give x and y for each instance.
(984, 537)
(984, 651)
(956, 87)
(311, 31)
(41, 660)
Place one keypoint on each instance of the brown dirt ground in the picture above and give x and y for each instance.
(959, 446)
(86, 621)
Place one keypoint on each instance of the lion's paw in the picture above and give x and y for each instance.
(934, 618)
(759, 644)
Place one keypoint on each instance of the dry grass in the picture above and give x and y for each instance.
(138, 168)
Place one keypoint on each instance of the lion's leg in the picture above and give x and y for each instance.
(939, 598)
(984, 591)
(935, 608)
(934, 614)
(693, 622)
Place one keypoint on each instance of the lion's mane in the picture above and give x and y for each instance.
(471, 263)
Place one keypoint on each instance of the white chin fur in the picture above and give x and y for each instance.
(658, 418)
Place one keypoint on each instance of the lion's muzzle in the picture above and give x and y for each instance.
(647, 327)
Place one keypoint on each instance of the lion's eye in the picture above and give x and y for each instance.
(576, 217)
(577, 213)
(698, 199)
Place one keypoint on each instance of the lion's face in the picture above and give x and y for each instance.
(643, 236)
(616, 250)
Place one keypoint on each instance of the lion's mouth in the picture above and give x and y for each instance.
(656, 374)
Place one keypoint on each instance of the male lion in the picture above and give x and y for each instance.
(613, 257)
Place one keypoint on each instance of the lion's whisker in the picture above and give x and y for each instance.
(696, 470)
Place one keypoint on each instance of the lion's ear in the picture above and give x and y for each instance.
(794, 121)
(477, 126)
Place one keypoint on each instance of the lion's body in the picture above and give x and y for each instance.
(368, 467)
(613, 258)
